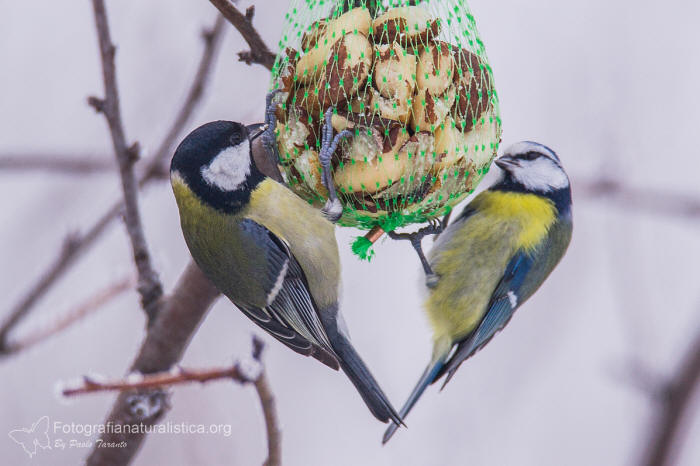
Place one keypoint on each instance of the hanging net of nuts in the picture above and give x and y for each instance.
(411, 80)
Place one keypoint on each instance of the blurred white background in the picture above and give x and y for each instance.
(611, 86)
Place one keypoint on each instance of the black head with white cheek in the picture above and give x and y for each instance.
(533, 167)
(215, 161)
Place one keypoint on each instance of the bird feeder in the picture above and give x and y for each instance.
(412, 82)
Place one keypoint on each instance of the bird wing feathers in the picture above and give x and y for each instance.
(290, 314)
(504, 301)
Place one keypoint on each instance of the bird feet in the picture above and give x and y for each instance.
(435, 227)
(333, 209)
(431, 280)
(268, 136)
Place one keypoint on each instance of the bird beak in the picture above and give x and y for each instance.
(506, 161)
(259, 132)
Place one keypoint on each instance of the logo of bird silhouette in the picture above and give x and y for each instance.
(35, 436)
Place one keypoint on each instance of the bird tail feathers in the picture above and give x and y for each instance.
(364, 382)
(426, 379)
(353, 366)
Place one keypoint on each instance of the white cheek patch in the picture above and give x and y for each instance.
(229, 170)
(541, 174)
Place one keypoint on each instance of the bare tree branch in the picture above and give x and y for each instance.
(178, 376)
(57, 163)
(149, 285)
(212, 38)
(75, 245)
(165, 342)
(90, 305)
(175, 376)
(274, 437)
(665, 434)
(259, 52)
(658, 202)
(69, 251)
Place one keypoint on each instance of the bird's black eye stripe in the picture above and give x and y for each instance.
(530, 155)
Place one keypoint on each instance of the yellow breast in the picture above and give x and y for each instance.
(471, 256)
(534, 214)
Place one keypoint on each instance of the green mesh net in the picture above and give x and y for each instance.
(412, 82)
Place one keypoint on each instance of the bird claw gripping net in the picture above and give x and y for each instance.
(411, 81)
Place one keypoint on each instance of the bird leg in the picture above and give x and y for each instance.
(434, 228)
(333, 208)
(443, 224)
(268, 137)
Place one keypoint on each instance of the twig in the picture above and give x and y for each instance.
(92, 304)
(645, 200)
(69, 251)
(665, 433)
(664, 441)
(212, 38)
(175, 376)
(274, 437)
(57, 163)
(636, 374)
(80, 243)
(178, 376)
(259, 52)
(149, 285)
(165, 342)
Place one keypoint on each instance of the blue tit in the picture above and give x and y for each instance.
(492, 258)
(270, 252)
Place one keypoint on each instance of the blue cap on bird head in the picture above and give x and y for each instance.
(533, 167)
(524, 147)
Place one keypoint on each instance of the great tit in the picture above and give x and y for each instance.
(492, 258)
(271, 253)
